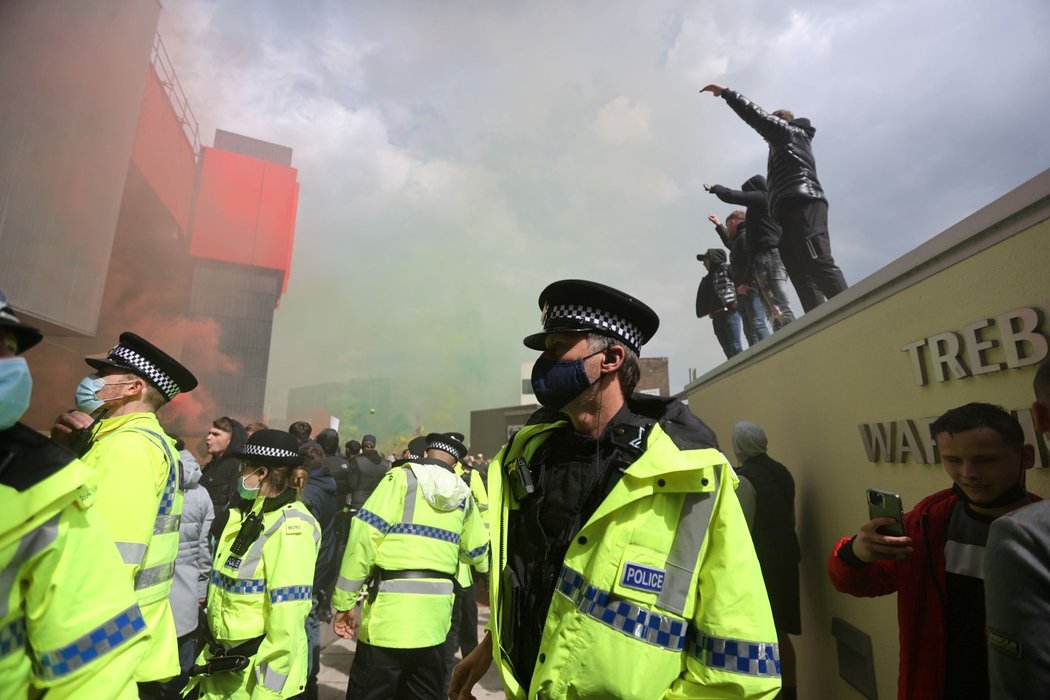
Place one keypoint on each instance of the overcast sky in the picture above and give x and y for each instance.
(456, 157)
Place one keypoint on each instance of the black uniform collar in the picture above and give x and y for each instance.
(436, 462)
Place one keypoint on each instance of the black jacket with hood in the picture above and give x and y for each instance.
(763, 232)
(366, 471)
(791, 169)
(221, 473)
(716, 292)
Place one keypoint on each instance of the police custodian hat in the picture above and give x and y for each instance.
(447, 442)
(571, 306)
(139, 356)
(271, 448)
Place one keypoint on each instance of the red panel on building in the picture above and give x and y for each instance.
(245, 211)
(163, 154)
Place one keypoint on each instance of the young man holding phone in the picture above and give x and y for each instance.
(936, 568)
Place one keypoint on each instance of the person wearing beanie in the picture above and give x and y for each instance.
(776, 542)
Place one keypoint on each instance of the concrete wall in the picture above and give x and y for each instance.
(855, 361)
(72, 76)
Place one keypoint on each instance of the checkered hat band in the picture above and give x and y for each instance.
(446, 447)
(162, 381)
(264, 451)
(597, 319)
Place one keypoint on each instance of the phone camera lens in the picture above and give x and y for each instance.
(875, 499)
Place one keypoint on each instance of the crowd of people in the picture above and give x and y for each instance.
(628, 558)
(780, 234)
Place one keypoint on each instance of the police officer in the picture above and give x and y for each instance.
(603, 509)
(137, 475)
(405, 543)
(262, 579)
(69, 622)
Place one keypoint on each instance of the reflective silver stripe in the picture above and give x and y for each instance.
(964, 559)
(251, 560)
(166, 524)
(685, 550)
(411, 485)
(31, 544)
(270, 679)
(345, 584)
(414, 585)
(131, 552)
(154, 575)
(12, 636)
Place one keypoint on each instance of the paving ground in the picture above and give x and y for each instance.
(337, 654)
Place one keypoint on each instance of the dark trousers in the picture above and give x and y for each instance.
(806, 250)
(381, 673)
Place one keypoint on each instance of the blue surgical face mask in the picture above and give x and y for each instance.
(556, 383)
(89, 386)
(16, 386)
(247, 493)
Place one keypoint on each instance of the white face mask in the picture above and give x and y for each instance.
(16, 386)
(249, 493)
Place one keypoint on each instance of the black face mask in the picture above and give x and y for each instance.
(556, 383)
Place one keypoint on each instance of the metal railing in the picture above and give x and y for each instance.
(176, 95)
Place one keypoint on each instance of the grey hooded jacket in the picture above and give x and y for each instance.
(193, 563)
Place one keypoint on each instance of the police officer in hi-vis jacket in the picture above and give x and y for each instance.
(70, 626)
(405, 545)
(608, 513)
(136, 475)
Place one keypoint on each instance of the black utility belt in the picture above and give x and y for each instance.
(225, 660)
(386, 575)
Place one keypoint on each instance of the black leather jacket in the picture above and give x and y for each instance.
(791, 170)
(716, 292)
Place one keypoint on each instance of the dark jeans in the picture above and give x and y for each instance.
(381, 673)
(727, 330)
(752, 316)
(770, 277)
(806, 249)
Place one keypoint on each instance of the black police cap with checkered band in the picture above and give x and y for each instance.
(446, 442)
(271, 448)
(573, 306)
(139, 356)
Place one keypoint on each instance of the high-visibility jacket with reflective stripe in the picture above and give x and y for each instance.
(137, 482)
(477, 489)
(398, 529)
(267, 591)
(643, 609)
(69, 622)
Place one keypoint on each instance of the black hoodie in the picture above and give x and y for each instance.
(220, 474)
(763, 232)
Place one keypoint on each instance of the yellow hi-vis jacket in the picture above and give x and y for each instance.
(69, 622)
(137, 482)
(660, 595)
(481, 497)
(420, 518)
(267, 591)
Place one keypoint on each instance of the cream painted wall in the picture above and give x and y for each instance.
(811, 395)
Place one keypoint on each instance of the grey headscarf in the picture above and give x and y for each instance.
(749, 440)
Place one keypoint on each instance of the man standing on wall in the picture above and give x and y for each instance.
(795, 197)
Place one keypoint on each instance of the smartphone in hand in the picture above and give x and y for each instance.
(885, 504)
